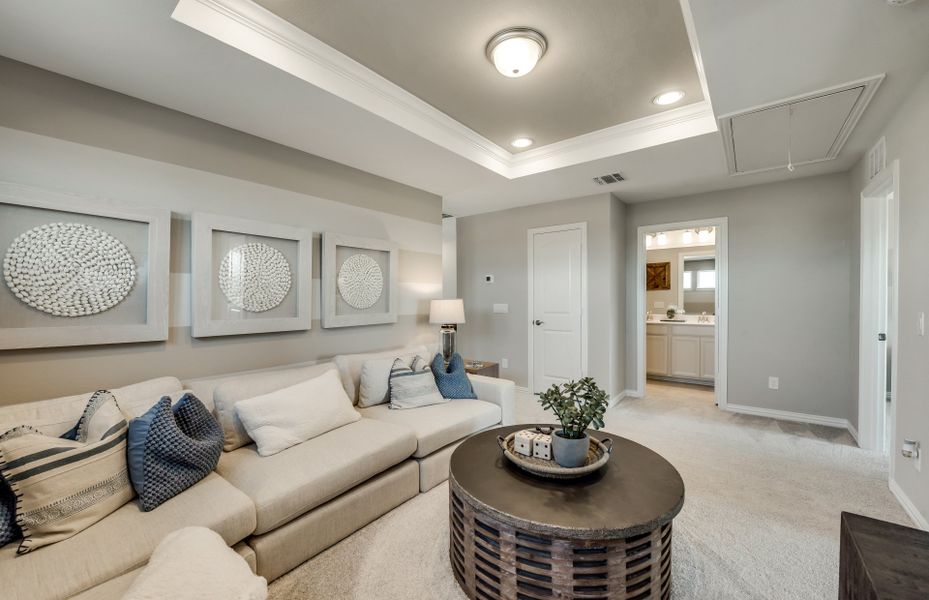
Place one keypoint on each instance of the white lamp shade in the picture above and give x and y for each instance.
(443, 312)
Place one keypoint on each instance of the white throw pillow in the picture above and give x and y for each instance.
(195, 563)
(375, 379)
(294, 414)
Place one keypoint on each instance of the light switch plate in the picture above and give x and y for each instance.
(501, 308)
(774, 383)
(504, 363)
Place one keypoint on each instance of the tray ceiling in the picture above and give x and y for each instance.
(606, 59)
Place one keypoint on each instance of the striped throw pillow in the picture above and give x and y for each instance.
(64, 486)
(413, 387)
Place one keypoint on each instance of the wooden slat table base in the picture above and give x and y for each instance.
(494, 560)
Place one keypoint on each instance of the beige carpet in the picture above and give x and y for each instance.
(760, 520)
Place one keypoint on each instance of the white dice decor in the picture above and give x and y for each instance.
(542, 446)
(524, 441)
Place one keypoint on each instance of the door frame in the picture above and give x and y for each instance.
(531, 306)
(721, 383)
(871, 422)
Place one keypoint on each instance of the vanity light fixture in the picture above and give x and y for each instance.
(662, 238)
(516, 50)
(667, 98)
(522, 142)
(687, 237)
(648, 240)
(704, 235)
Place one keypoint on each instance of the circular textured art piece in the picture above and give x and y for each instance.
(360, 281)
(69, 269)
(254, 277)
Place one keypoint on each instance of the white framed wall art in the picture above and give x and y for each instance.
(359, 280)
(249, 276)
(81, 271)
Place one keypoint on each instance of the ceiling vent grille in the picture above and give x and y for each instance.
(609, 178)
(795, 131)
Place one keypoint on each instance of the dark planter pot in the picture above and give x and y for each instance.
(570, 452)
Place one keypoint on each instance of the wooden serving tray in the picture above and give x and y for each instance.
(597, 455)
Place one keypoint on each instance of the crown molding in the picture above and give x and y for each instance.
(252, 29)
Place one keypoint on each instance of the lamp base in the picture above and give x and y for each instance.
(448, 341)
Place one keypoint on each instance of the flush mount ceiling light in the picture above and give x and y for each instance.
(668, 98)
(521, 142)
(516, 50)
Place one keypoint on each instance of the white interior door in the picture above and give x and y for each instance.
(873, 326)
(557, 304)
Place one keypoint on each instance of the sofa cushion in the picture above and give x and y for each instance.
(123, 541)
(350, 365)
(440, 424)
(171, 448)
(452, 380)
(58, 415)
(235, 389)
(292, 415)
(374, 388)
(64, 486)
(292, 482)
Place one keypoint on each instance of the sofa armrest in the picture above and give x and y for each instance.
(501, 392)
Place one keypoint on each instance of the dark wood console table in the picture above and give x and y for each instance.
(882, 561)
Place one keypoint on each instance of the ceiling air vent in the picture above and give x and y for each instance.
(609, 178)
(795, 131)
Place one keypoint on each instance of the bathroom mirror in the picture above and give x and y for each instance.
(698, 284)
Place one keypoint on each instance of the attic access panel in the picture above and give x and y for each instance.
(757, 139)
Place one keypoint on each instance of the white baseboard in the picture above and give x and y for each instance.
(853, 432)
(632, 394)
(908, 506)
(617, 399)
(786, 415)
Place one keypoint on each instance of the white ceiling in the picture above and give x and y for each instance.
(605, 62)
(753, 53)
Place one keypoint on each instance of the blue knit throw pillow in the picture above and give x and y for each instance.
(452, 382)
(171, 449)
(9, 530)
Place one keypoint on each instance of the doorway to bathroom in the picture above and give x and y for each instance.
(681, 304)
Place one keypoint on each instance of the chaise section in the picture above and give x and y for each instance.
(296, 480)
(123, 542)
(303, 538)
(438, 425)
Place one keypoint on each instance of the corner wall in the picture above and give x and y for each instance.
(790, 312)
(64, 135)
(496, 243)
(907, 137)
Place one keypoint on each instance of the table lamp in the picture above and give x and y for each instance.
(447, 313)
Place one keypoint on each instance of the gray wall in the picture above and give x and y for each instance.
(790, 311)
(907, 136)
(64, 135)
(496, 243)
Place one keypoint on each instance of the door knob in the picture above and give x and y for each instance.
(882, 337)
(538, 322)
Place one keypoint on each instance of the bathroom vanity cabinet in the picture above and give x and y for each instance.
(681, 351)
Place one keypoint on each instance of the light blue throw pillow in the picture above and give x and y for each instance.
(453, 382)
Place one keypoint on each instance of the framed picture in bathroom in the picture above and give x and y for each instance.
(658, 276)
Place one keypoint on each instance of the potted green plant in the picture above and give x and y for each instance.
(578, 405)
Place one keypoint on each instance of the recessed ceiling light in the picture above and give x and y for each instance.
(515, 51)
(668, 98)
(521, 142)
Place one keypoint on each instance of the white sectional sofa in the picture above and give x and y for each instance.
(276, 511)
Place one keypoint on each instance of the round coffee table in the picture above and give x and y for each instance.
(606, 535)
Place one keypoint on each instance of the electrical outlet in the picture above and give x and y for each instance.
(501, 308)
(774, 383)
(504, 363)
